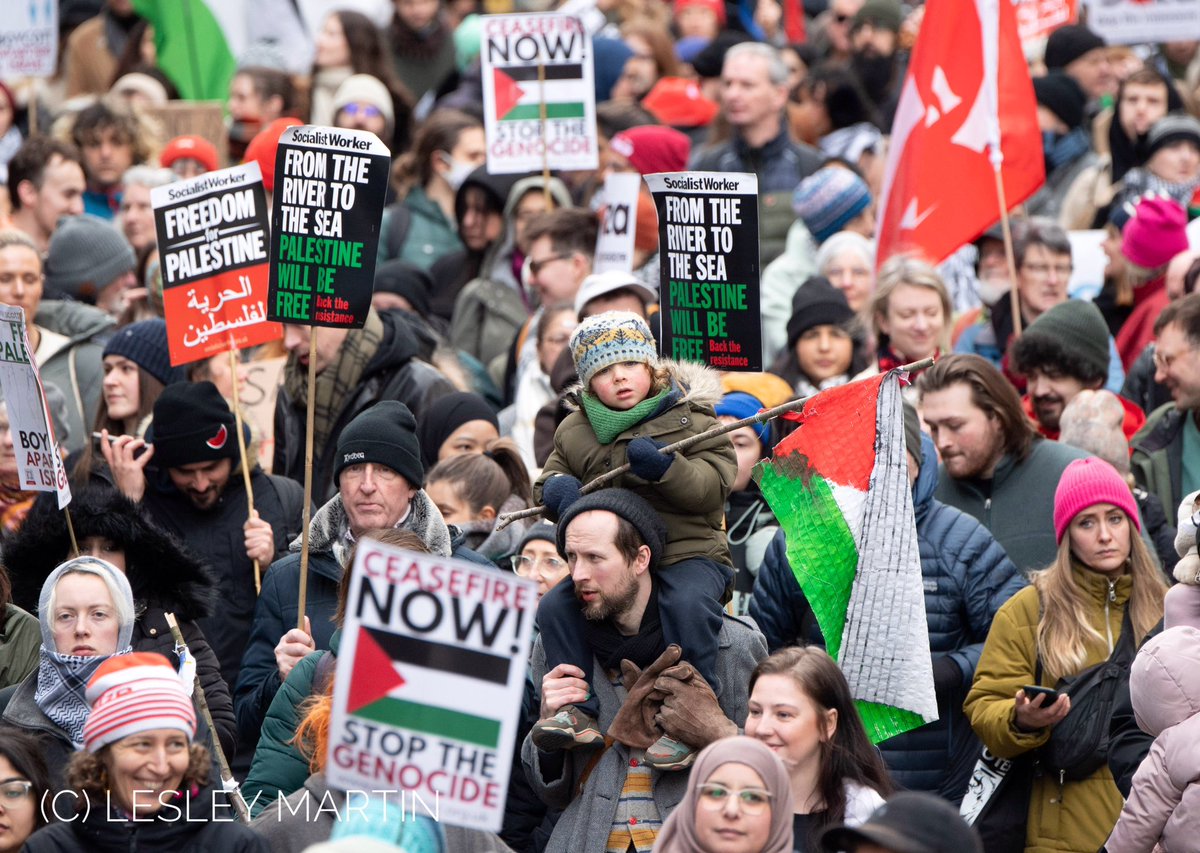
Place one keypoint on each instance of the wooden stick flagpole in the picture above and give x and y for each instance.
(237, 416)
(31, 110)
(1009, 255)
(545, 142)
(71, 532)
(308, 476)
(239, 802)
(760, 418)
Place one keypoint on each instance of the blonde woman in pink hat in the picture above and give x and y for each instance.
(1095, 603)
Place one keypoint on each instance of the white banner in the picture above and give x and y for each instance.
(430, 679)
(28, 39)
(38, 458)
(614, 244)
(1137, 21)
(535, 65)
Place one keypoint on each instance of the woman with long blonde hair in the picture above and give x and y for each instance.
(1102, 583)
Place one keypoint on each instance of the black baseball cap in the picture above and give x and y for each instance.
(910, 822)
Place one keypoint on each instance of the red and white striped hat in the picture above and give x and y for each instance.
(135, 693)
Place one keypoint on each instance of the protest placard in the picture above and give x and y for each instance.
(708, 247)
(330, 186)
(529, 61)
(29, 39)
(212, 244)
(1039, 18)
(430, 678)
(618, 224)
(259, 383)
(39, 463)
(1138, 21)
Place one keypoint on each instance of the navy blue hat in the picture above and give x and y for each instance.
(145, 344)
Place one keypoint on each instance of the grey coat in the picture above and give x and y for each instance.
(291, 825)
(588, 815)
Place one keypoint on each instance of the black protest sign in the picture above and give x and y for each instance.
(330, 185)
(708, 247)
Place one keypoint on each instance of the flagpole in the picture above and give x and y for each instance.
(545, 141)
(237, 417)
(760, 418)
(1010, 257)
(308, 475)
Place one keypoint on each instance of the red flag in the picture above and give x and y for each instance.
(967, 93)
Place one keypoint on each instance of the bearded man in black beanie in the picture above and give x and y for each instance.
(379, 476)
(194, 489)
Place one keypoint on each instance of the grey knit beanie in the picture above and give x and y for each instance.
(629, 506)
(1078, 327)
(86, 254)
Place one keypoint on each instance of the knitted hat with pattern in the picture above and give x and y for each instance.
(610, 338)
(1085, 483)
(828, 199)
(134, 693)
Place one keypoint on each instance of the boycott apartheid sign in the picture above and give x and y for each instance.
(330, 186)
(708, 246)
(212, 244)
(529, 61)
(39, 463)
(430, 678)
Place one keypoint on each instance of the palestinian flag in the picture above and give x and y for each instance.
(839, 487)
(397, 679)
(519, 93)
(198, 42)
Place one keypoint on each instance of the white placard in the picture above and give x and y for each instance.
(1137, 21)
(618, 227)
(28, 39)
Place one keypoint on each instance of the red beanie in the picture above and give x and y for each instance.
(679, 102)
(263, 147)
(651, 148)
(1155, 233)
(717, 7)
(190, 148)
(645, 231)
(1085, 483)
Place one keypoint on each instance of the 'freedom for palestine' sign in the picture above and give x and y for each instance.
(330, 185)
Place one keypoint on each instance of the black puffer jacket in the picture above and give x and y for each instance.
(164, 575)
(395, 372)
(967, 576)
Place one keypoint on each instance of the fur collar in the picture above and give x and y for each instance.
(327, 530)
(701, 384)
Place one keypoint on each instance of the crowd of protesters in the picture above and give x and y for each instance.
(680, 696)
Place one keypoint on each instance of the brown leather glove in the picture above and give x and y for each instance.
(634, 723)
(690, 712)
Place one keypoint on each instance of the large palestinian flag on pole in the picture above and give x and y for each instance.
(839, 487)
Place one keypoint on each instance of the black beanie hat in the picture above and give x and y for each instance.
(404, 279)
(145, 344)
(543, 530)
(1061, 95)
(816, 303)
(445, 415)
(192, 423)
(1066, 44)
(629, 506)
(385, 434)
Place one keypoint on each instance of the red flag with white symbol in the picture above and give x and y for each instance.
(967, 104)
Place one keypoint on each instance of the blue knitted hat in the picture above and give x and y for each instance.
(740, 405)
(828, 199)
(611, 338)
(145, 344)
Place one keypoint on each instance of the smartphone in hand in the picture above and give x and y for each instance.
(1050, 694)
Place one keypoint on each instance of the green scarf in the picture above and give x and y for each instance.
(609, 423)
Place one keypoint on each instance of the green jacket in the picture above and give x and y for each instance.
(1157, 460)
(278, 768)
(1017, 504)
(76, 368)
(1075, 816)
(430, 234)
(690, 498)
(19, 644)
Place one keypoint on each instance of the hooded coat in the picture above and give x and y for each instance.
(491, 309)
(1165, 799)
(164, 575)
(690, 497)
(278, 605)
(75, 367)
(395, 372)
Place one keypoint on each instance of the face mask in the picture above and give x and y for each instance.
(457, 173)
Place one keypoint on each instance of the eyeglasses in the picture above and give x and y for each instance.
(751, 801)
(524, 566)
(364, 110)
(1164, 362)
(536, 267)
(841, 18)
(17, 789)
(1043, 270)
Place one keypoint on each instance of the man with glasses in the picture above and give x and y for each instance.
(379, 478)
(611, 540)
(1042, 253)
(1166, 452)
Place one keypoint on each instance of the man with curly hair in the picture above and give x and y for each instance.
(1065, 351)
(112, 135)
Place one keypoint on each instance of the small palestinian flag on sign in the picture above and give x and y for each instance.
(519, 93)
(397, 678)
(839, 487)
